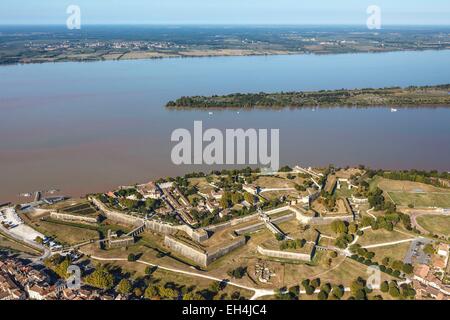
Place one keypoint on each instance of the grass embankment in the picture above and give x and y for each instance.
(435, 224)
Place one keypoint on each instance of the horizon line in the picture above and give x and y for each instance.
(224, 24)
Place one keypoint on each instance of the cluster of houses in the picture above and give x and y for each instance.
(20, 281)
(176, 202)
(429, 279)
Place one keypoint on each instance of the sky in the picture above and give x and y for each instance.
(393, 12)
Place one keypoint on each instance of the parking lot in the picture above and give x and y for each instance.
(415, 253)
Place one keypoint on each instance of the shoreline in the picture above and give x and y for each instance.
(194, 56)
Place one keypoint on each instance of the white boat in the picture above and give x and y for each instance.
(210, 113)
(393, 110)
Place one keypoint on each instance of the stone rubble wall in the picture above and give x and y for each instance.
(201, 257)
(72, 217)
(284, 254)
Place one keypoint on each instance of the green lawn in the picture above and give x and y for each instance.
(435, 224)
(440, 200)
(396, 252)
(372, 237)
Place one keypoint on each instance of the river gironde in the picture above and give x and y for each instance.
(87, 127)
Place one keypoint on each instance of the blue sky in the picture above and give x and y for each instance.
(411, 12)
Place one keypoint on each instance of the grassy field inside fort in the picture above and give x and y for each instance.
(274, 182)
(404, 193)
(373, 237)
(396, 252)
(427, 199)
(435, 224)
(405, 186)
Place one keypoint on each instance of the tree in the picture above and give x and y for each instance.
(149, 270)
(376, 199)
(285, 169)
(367, 221)
(193, 296)
(386, 261)
(339, 226)
(360, 295)
(428, 249)
(225, 202)
(279, 237)
(353, 227)
(310, 290)
(326, 287)
(61, 268)
(131, 257)
(215, 287)
(168, 293)
(151, 292)
(338, 292)
(238, 273)
(100, 278)
(397, 265)
(384, 287)
(124, 287)
(394, 291)
(39, 240)
(408, 268)
(236, 198)
(305, 283)
(322, 295)
(138, 292)
(315, 283)
(249, 198)
(294, 292)
(357, 288)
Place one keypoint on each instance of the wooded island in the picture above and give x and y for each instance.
(385, 97)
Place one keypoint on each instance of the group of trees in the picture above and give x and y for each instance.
(378, 201)
(388, 265)
(361, 252)
(404, 291)
(101, 278)
(343, 230)
(398, 265)
(326, 290)
(172, 291)
(58, 264)
(238, 273)
(324, 98)
(292, 244)
(232, 198)
(387, 221)
(138, 204)
(359, 289)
